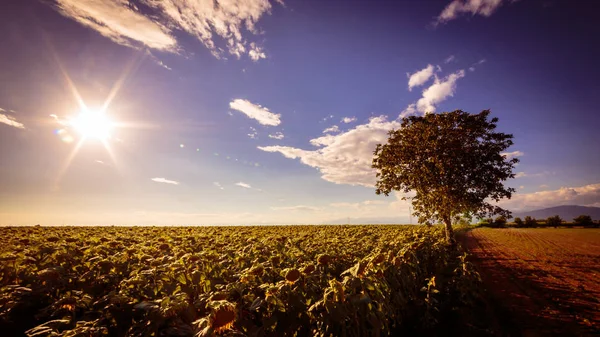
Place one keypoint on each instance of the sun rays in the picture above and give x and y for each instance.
(95, 124)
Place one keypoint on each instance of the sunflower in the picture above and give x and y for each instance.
(292, 275)
(223, 316)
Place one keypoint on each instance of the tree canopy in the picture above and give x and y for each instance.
(453, 162)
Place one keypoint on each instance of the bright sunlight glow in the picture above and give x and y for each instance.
(93, 124)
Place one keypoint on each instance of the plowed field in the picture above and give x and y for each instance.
(541, 281)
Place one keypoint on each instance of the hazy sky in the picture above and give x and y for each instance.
(269, 111)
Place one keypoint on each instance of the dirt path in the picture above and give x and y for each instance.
(541, 281)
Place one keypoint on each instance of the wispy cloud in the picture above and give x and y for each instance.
(449, 59)
(512, 154)
(323, 141)
(348, 120)
(533, 175)
(302, 208)
(255, 111)
(438, 92)
(277, 135)
(475, 65)
(332, 129)
(326, 118)
(456, 8)
(433, 95)
(244, 185)
(344, 158)
(583, 195)
(419, 78)
(256, 53)
(253, 133)
(207, 21)
(10, 121)
(218, 185)
(366, 203)
(165, 181)
(116, 20)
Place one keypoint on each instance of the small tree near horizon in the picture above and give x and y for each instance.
(500, 221)
(518, 222)
(554, 221)
(453, 163)
(530, 222)
(583, 220)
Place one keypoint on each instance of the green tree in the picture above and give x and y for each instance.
(530, 222)
(554, 221)
(583, 220)
(518, 222)
(453, 163)
(500, 221)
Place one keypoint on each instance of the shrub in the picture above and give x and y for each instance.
(554, 221)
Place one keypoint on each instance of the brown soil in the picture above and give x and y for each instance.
(540, 282)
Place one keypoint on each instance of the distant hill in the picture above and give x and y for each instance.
(567, 212)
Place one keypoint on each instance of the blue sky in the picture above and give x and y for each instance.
(264, 111)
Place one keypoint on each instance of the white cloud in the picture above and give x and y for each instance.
(256, 53)
(332, 129)
(207, 21)
(449, 59)
(244, 185)
(513, 154)
(420, 77)
(520, 175)
(218, 185)
(253, 134)
(277, 135)
(474, 66)
(165, 181)
(411, 109)
(348, 120)
(438, 92)
(119, 22)
(326, 118)
(302, 208)
(583, 195)
(345, 158)
(255, 111)
(363, 204)
(10, 121)
(323, 140)
(458, 7)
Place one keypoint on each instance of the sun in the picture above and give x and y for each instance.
(93, 124)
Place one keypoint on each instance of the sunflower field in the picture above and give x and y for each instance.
(368, 280)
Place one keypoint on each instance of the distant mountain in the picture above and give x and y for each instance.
(567, 212)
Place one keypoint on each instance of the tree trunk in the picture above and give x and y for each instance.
(449, 231)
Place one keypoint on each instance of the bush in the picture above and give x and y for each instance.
(583, 220)
(554, 221)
